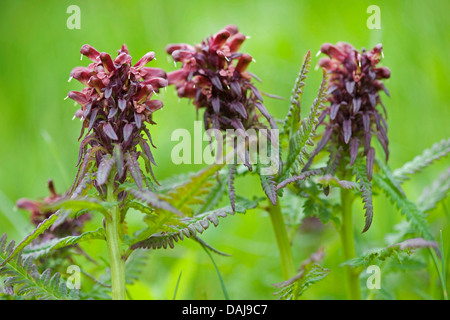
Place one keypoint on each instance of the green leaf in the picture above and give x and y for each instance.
(43, 249)
(437, 151)
(44, 225)
(24, 279)
(407, 207)
(292, 121)
(215, 195)
(183, 196)
(309, 273)
(76, 205)
(222, 283)
(190, 226)
(153, 200)
(303, 137)
(437, 192)
(394, 250)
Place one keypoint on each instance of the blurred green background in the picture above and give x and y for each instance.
(39, 139)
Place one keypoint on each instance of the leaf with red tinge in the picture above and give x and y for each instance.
(239, 108)
(369, 164)
(138, 120)
(147, 151)
(215, 101)
(356, 104)
(104, 169)
(216, 82)
(122, 104)
(109, 131)
(118, 158)
(135, 170)
(92, 119)
(366, 121)
(354, 146)
(347, 126)
(127, 131)
(334, 110)
(236, 89)
(350, 86)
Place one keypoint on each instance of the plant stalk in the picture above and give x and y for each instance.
(117, 265)
(348, 244)
(284, 247)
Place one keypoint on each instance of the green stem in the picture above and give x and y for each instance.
(117, 265)
(348, 244)
(287, 260)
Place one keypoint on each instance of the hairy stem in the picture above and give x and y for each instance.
(113, 240)
(348, 244)
(284, 247)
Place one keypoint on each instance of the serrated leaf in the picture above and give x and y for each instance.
(43, 249)
(309, 273)
(406, 206)
(44, 225)
(190, 226)
(24, 279)
(292, 120)
(393, 250)
(303, 137)
(134, 169)
(360, 171)
(435, 193)
(437, 151)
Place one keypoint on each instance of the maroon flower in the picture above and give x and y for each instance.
(115, 104)
(69, 227)
(214, 75)
(353, 118)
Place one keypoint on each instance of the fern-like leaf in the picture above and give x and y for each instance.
(44, 225)
(42, 249)
(292, 120)
(360, 171)
(407, 207)
(302, 176)
(154, 201)
(23, 278)
(303, 137)
(437, 151)
(432, 195)
(184, 196)
(190, 226)
(394, 251)
(309, 273)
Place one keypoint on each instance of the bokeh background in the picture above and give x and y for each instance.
(38, 139)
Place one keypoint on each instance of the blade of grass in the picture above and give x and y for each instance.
(176, 286)
(224, 289)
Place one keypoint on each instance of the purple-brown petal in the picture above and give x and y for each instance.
(149, 56)
(90, 52)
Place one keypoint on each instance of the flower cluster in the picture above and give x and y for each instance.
(355, 81)
(210, 76)
(116, 102)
